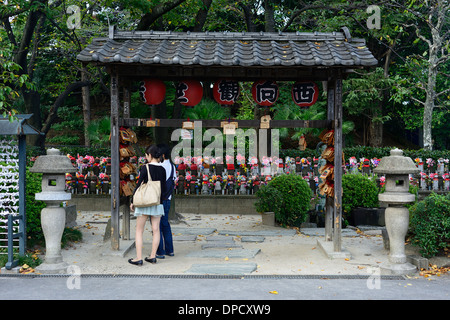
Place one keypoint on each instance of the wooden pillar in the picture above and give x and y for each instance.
(115, 180)
(329, 206)
(126, 206)
(338, 163)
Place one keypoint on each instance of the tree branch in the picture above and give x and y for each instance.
(149, 18)
(59, 102)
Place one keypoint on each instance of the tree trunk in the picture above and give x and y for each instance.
(54, 109)
(269, 16)
(201, 16)
(149, 18)
(437, 15)
(428, 109)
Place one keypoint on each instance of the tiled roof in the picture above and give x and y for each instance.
(230, 49)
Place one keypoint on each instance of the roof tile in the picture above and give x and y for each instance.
(229, 49)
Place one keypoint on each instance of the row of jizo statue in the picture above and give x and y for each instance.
(230, 179)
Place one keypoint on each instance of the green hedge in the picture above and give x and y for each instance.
(296, 195)
(370, 152)
(430, 224)
(358, 191)
(33, 208)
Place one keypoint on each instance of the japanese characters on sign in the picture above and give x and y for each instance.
(305, 94)
(226, 92)
(152, 91)
(265, 92)
(189, 92)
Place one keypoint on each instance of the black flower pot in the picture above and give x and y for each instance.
(367, 216)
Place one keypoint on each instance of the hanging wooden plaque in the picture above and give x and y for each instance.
(265, 122)
(188, 125)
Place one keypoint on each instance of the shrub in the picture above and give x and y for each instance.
(296, 196)
(358, 191)
(430, 224)
(33, 208)
(269, 199)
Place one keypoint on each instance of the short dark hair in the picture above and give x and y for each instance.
(154, 151)
(165, 150)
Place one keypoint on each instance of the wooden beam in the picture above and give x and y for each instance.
(137, 72)
(115, 179)
(177, 123)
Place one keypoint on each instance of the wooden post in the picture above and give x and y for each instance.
(115, 180)
(126, 207)
(329, 206)
(338, 163)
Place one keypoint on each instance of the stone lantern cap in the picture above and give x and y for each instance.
(53, 163)
(396, 164)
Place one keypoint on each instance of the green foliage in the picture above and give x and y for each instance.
(430, 224)
(70, 235)
(269, 199)
(358, 191)
(29, 259)
(33, 208)
(70, 124)
(10, 83)
(206, 109)
(296, 196)
(99, 131)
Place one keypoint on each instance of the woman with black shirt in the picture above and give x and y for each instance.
(157, 173)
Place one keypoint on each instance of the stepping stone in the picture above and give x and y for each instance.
(216, 253)
(252, 239)
(192, 231)
(221, 244)
(226, 268)
(219, 238)
(264, 233)
(184, 238)
(320, 232)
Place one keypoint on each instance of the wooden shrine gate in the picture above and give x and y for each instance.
(130, 56)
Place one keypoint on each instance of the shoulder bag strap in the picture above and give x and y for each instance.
(148, 173)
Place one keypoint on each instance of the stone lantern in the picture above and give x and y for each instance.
(53, 167)
(396, 169)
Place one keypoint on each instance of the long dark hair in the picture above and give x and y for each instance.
(155, 152)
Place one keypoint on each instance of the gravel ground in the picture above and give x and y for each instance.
(296, 254)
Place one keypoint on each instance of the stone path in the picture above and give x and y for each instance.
(223, 245)
(230, 244)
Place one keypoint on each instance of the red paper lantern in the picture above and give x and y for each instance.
(226, 92)
(265, 92)
(189, 92)
(153, 91)
(305, 94)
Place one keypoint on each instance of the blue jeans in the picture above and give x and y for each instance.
(166, 242)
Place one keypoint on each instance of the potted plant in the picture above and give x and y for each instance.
(360, 200)
(268, 203)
